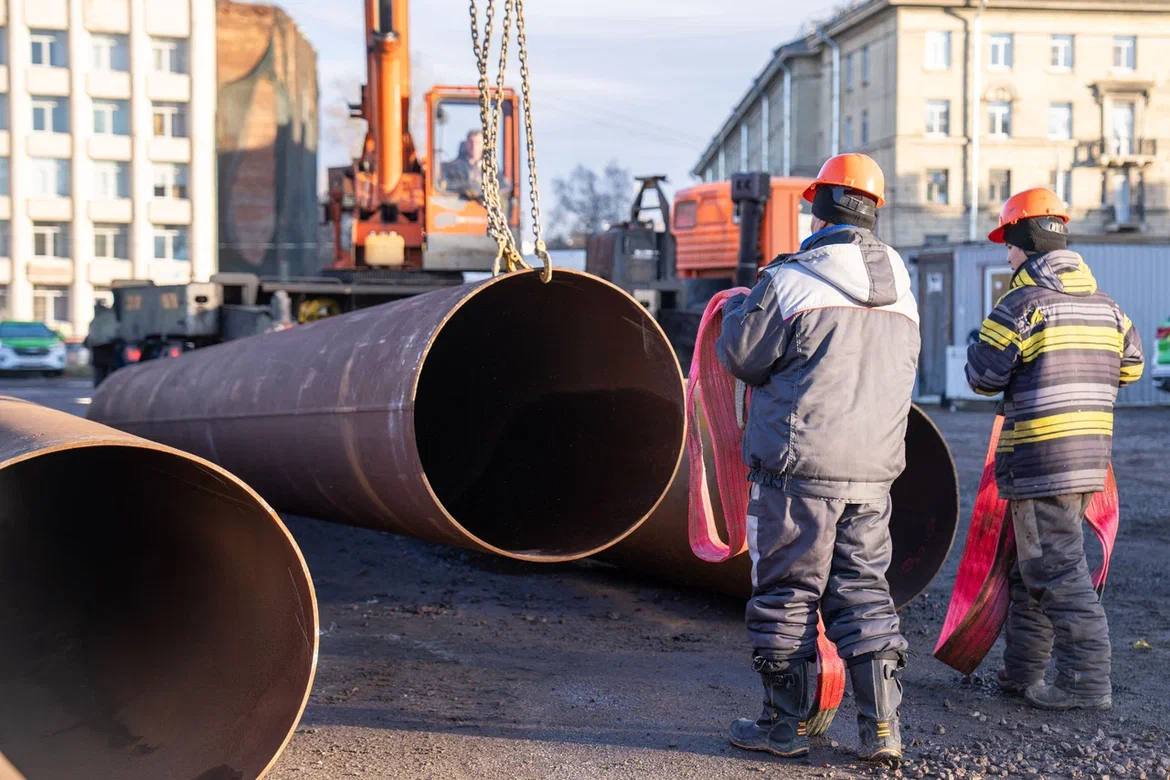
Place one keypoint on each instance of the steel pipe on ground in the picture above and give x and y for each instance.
(925, 518)
(157, 618)
(540, 422)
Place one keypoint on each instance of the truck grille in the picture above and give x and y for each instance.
(31, 351)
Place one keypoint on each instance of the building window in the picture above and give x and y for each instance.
(933, 239)
(170, 55)
(1123, 120)
(865, 127)
(938, 190)
(170, 120)
(999, 118)
(1061, 183)
(999, 186)
(1001, 51)
(1060, 121)
(5, 239)
(849, 72)
(170, 242)
(938, 50)
(50, 114)
(51, 239)
(51, 304)
(3, 110)
(110, 53)
(49, 48)
(111, 180)
(938, 117)
(847, 140)
(48, 177)
(3, 45)
(1062, 52)
(111, 117)
(743, 147)
(111, 242)
(4, 186)
(865, 71)
(170, 180)
(1125, 52)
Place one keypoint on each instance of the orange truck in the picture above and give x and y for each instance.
(713, 235)
(406, 213)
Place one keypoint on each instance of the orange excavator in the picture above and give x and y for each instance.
(404, 213)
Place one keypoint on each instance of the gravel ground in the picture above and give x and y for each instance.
(437, 662)
(440, 663)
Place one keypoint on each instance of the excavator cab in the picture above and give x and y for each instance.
(456, 219)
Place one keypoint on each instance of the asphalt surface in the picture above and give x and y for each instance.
(437, 662)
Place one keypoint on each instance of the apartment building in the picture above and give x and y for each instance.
(963, 102)
(107, 151)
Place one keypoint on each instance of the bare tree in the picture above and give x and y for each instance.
(589, 202)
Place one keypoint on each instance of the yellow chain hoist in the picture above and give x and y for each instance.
(489, 115)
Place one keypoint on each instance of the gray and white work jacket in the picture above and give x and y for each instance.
(828, 339)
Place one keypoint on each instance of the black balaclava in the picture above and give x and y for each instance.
(844, 206)
(1038, 235)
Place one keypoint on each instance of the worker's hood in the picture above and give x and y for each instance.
(854, 261)
(1062, 270)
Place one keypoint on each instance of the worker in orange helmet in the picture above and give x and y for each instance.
(1058, 349)
(828, 339)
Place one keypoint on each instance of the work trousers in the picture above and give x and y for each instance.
(1053, 604)
(810, 552)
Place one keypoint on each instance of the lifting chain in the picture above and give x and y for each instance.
(489, 114)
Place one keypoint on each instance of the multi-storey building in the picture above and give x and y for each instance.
(107, 150)
(963, 102)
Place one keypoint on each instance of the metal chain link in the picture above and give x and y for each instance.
(489, 114)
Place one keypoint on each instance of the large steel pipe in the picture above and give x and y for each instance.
(157, 618)
(540, 422)
(925, 517)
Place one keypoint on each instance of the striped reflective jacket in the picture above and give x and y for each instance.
(1058, 349)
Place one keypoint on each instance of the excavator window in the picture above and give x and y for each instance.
(458, 149)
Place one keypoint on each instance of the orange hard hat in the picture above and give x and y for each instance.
(1038, 202)
(856, 171)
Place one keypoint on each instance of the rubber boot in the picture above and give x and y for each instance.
(877, 690)
(1010, 685)
(782, 728)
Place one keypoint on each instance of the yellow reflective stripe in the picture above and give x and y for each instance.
(1023, 279)
(1071, 337)
(1125, 324)
(997, 335)
(1058, 426)
(1132, 373)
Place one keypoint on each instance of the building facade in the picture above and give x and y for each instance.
(107, 151)
(963, 102)
(266, 142)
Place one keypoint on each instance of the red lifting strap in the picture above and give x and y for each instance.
(712, 387)
(979, 601)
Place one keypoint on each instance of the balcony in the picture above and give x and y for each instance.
(1117, 152)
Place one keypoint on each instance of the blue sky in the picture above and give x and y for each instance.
(643, 82)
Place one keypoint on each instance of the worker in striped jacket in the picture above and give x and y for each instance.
(1058, 348)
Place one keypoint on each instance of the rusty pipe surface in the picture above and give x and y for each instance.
(923, 524)
(540, 422)
(158, 619)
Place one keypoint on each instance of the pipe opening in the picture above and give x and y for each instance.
(549, 418)
(157, 620)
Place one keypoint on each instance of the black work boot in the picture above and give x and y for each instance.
(1010, 685)
(1052, 697)
(781, 729)
(877, 689)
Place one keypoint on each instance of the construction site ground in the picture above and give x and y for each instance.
(441, 663)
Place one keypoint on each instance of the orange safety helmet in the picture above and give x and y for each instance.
(856, 171)
(1038, 202)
